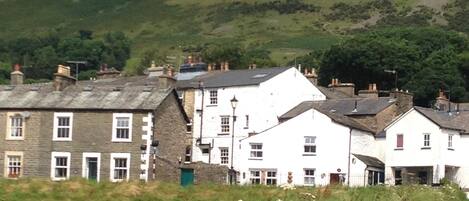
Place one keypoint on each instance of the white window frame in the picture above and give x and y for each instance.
(7, 163)
(450, 141)
(225, 125)
(310, 144)
(53, 162)
(112, 165)
(56, 126)
(84, 164)
(213, 99)
(256, 151)
(11, 115)
(425, 141)
(305, 176)
(226, 157)
(114, 127)
(271, 178)
(251, 177)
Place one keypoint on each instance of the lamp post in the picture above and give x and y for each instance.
(234, 103)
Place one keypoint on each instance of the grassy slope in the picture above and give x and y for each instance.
(25, 190)
(171, 24)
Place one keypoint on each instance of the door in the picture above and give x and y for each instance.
(335, 179)
(92, 168)
(187, 177)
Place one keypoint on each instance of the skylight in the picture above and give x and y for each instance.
(260, 75)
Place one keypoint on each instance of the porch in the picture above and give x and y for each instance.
(424, 175)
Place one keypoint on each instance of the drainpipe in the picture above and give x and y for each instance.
(201, 111)
(349, 157)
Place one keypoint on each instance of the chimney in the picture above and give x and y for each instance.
(62, 78)
(209, 67)
(16, 77)
(105, 73)
(227, 66)
(346, 88)
(404, 100)
(311, 76)
(166, 80)
(155, 71)
(372, 92)
(442, 102)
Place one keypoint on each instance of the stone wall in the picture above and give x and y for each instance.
(91, 132)
(170, 131)
(208, 173)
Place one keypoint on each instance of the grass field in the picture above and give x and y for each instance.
(77, 189)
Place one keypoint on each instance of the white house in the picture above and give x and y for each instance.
(263, 94)
(424, 146)
(311, 147)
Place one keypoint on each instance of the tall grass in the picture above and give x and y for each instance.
(78, 189)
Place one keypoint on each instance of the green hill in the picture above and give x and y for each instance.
(287, 28)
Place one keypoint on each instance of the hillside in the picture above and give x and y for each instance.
(286, 28)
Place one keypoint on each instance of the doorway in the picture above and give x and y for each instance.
(92, 168)
(187, 176)
(334, 179)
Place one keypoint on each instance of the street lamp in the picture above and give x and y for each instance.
(234, 103)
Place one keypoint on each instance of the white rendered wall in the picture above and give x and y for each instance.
(283, 149)
(263, 104)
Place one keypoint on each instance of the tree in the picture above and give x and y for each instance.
(118, 45)
(46, 57)
(218, 53)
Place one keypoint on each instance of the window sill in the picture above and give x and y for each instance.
(309, 154)
(246, 127)
(451, 149)
(425, 148)
(211, 105)
(125, 141)
(14, 139)
(398, 149)
(223, 133)
(256, 159)
(62, 139)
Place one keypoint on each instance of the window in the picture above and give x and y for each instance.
(309, 176)
(213, 97)
(15, 127)
(122, 127)
(188, 156)
(224, 155)
(255, 177)
(271, 178)
(310, 145)
(205, 150)
(63, 126)
(426, 140)
(60, 166)
(120, 163)
(13, 164)
(399, 141)
(450, 141)
(256, 151)
(247, 122)
(225, 125)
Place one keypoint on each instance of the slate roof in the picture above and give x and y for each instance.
(330, 93)
(122, 93)
(230, 78)
(337, 117)
(365, 106)
(370, 161)
(444, 119)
